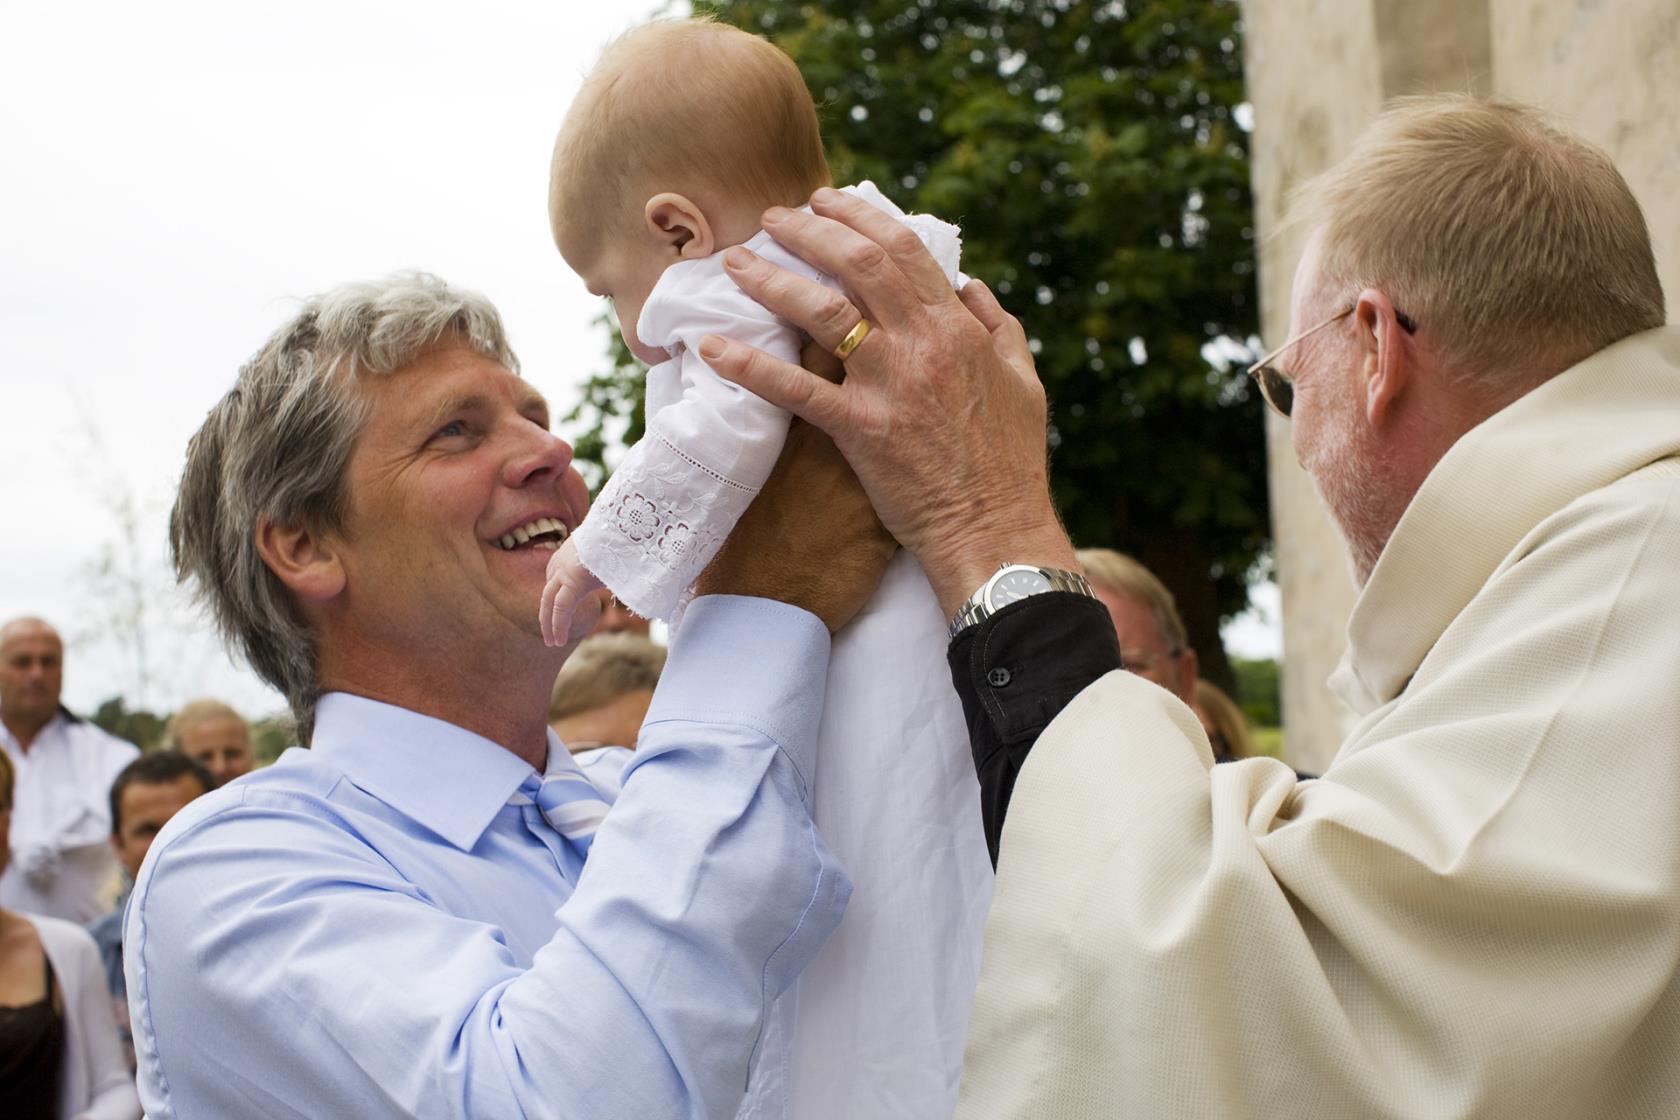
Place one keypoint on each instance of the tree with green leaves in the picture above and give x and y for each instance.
(142, 728)
(1094, 155)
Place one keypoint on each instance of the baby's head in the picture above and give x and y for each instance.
(682, 135)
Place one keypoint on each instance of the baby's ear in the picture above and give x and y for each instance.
(677, 222)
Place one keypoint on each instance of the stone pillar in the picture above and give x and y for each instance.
(1318, 71)
(1608, 70)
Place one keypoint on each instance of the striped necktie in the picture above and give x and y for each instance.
(569, 803)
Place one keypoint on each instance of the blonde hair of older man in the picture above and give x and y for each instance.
(1520, 245)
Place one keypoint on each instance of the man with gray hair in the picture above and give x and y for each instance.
(399, 921)
(1476, 911)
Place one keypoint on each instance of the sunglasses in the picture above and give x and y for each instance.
(1276, 386)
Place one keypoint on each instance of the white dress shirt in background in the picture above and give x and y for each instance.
(62, 863)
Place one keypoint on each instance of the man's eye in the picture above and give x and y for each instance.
(451, 429)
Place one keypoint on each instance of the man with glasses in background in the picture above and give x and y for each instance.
(1153, 641)
(1476, 910)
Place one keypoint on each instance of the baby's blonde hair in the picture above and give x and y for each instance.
(691, 106)
(1516, 245)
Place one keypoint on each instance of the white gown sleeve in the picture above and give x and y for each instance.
(709, 446)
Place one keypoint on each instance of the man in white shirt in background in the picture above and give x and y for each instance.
(61, 828)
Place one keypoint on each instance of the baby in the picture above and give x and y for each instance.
(682, 135)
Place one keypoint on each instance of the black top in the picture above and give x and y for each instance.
(32, 1056)
(1014, 673)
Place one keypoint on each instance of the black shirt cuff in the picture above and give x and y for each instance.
(1014, 673)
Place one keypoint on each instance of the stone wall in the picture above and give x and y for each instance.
(1318, 71)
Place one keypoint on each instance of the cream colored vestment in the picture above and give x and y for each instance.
(1475, 912)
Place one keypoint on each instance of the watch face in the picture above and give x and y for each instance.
(1016, 585)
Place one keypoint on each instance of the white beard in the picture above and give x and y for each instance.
(1354, 484)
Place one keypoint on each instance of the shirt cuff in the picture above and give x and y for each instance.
(1019, 668)
(753, 663)
(1014, 673)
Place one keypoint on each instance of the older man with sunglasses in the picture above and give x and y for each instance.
(1476, 911)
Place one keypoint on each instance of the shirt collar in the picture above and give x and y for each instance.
(445, 777)
(1585, 428)
(62, 719)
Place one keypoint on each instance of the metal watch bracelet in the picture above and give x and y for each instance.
(980, 605)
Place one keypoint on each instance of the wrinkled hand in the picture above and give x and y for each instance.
(569, 588)
(941, 412)
(810, 537)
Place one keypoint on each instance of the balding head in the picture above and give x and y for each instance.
(26, 626)
(31, 675)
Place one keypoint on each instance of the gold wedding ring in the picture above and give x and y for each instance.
(854, 338)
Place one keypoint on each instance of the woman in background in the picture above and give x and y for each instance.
(59, 1054)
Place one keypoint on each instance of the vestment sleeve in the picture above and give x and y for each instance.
(1471, 913)
(708, 449)
(278, 967)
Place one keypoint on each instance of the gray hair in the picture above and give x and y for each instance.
(276, 446)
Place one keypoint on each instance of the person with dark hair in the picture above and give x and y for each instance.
(59, 1054)
(150, 790)
(63, 766)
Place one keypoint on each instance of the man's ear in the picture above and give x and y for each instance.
(1385, 360)
(676, 221)
(305, 561)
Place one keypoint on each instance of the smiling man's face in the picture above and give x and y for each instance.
(455, 462)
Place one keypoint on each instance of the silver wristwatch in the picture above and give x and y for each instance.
(1010, 584)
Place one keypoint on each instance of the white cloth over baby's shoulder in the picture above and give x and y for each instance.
(710, 444)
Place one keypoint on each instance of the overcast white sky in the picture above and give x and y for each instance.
(177, 174)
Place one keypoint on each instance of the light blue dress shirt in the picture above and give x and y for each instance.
(369, 929)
